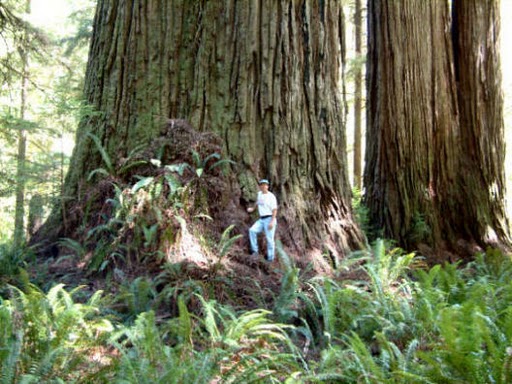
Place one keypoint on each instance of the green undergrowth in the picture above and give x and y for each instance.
(398, 322)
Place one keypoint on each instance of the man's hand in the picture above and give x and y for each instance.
(271, 224)
(250, 209)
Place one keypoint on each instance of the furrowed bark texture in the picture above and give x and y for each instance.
(265, 75)
(478, 70)
(420, 188)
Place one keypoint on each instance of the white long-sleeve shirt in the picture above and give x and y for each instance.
(266, 203)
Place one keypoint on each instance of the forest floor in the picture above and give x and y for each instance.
(241, 280)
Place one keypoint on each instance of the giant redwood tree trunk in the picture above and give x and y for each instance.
(264, 75)
(420, 186)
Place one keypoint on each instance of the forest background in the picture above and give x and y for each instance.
(381, 315)
(55, 105)
(55, 77)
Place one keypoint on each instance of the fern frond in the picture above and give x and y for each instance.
(363, 358)
(103, 153)
(209, 319)
(197, 158)
(178, 168)
(142, 183)
(125, 168)
(101, 171)
(185, 324)
(10, 353)
(221, 163)
(227, 242)
(285, 306)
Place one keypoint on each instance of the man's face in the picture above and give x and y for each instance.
(264, 187)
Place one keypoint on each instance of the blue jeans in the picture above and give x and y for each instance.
(258, 227)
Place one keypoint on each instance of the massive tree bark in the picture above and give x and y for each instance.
(420, 188)
(266, 76)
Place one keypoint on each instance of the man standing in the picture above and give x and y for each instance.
(267, 209)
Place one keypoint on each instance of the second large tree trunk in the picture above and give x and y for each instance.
(421, 186)
(478, 70)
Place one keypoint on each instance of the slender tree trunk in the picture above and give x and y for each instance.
(421, 186)
(358, 94)
(266, 76)
(35, 214)
(19, 227)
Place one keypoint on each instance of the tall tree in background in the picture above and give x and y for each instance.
(265, 76)
(420, 187)
(358, 96)
(19, 227)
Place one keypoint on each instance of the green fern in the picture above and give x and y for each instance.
(136, 296)
(104, 156)
(13, 260)
(361, 211)
(44, 336)
(389, 266)
(11, 344)
(366, 367)
(226, 242)
(201, 165)
(185, 325)
(110, 169)
(286, 304)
